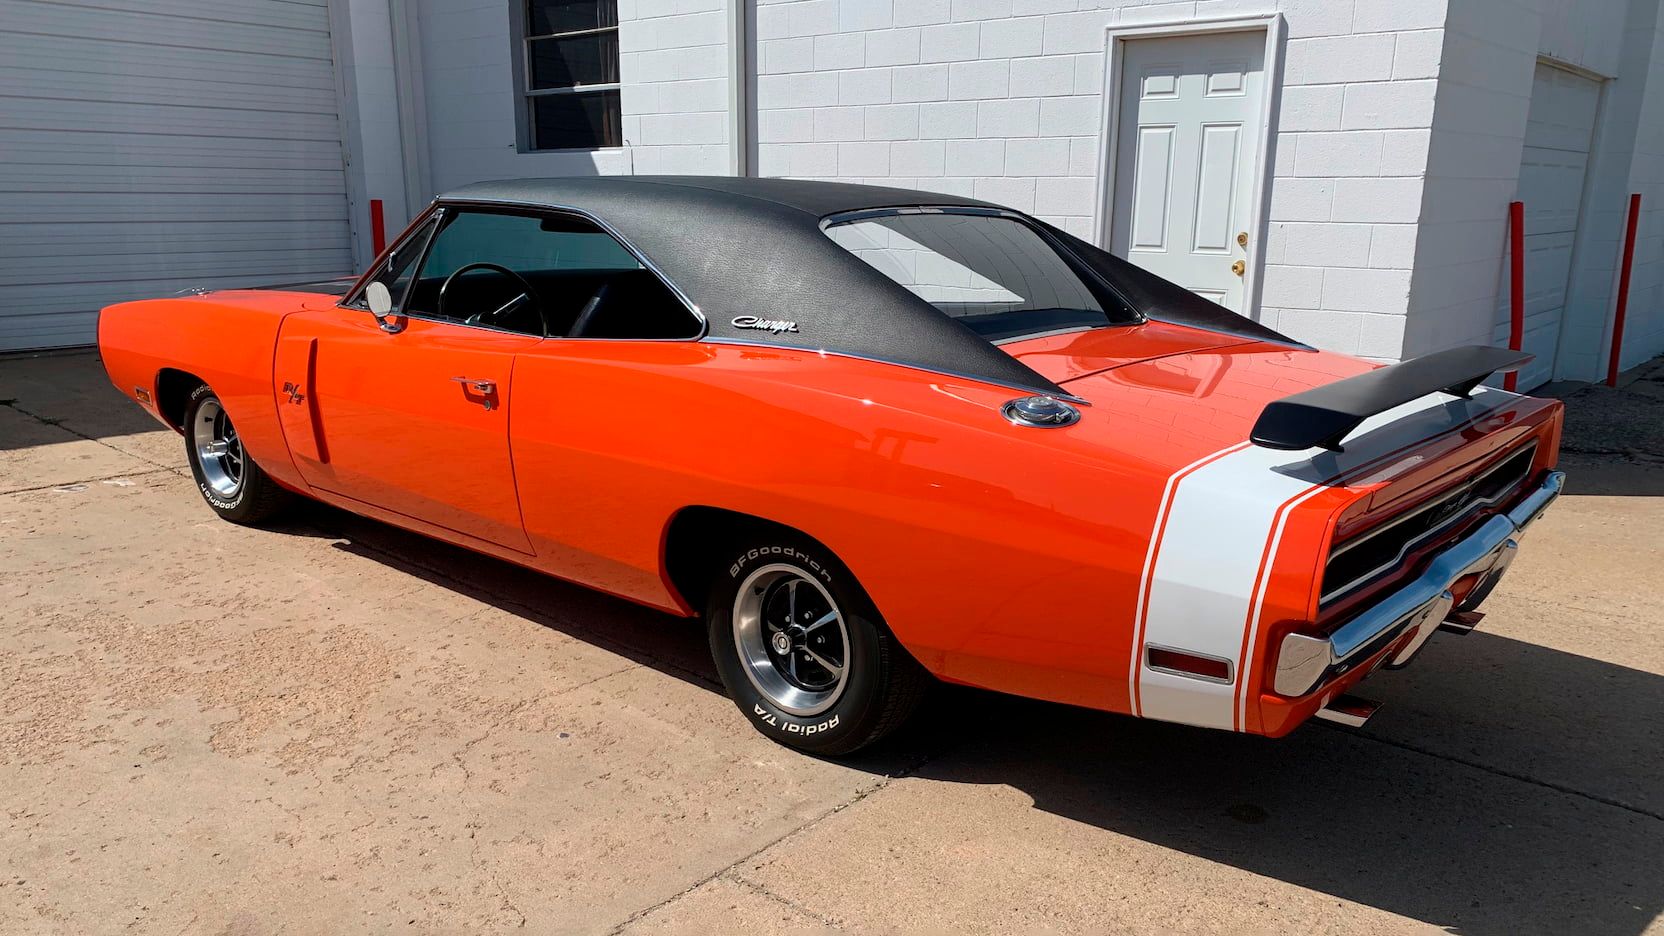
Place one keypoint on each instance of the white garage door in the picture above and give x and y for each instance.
(1552, 168)
(150, 146)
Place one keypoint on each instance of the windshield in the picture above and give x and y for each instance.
(994, 274)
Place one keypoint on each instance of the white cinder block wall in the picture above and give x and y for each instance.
(1396, 144)
(1001, 99)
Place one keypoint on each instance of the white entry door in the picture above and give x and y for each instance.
(1553, 165)
(1186, 158)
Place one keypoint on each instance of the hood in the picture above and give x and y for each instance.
(1197, 391)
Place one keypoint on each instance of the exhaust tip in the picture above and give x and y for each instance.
(1349, 710)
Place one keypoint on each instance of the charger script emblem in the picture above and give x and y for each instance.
(762, 324)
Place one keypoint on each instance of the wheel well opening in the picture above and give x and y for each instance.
(700, 539)
(173, 392)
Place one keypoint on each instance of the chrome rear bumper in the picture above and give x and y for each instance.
(1304, 662)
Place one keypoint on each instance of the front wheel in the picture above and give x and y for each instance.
(230, 481)
(803, 652)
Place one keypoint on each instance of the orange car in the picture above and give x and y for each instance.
(875, 437)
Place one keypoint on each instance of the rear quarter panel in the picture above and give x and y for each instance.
(226, 339)
(1001, 556)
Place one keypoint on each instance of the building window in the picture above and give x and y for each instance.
(569, 58)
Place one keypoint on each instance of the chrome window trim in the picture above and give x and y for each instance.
(441, 206)
(1411, 545)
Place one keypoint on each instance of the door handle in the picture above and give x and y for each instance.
(487, 389)
(1240, 267)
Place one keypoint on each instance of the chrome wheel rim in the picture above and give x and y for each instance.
(219, 452)
(792, 640)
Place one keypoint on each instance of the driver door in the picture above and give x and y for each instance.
(413, 417)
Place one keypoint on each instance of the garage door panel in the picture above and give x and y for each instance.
(129, 60)
(1554, 179)
(153, 146)
(199, 32)
(184, 119)
(98, 87)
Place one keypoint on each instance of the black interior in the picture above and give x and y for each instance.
(626, 303)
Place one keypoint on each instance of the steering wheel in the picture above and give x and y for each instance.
(526, 293)
(587, 316)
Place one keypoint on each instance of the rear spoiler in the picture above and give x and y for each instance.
(1322, 416)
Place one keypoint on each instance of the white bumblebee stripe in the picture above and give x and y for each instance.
(1203, 587)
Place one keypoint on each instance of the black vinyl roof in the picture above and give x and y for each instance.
(754, 247)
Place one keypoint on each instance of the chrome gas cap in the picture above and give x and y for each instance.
(1040, 411)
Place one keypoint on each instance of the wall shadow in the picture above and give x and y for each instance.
(1500, 802)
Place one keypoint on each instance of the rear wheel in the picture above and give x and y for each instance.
(803, 652)
(232, 484)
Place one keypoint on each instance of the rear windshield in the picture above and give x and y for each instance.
(996, 275)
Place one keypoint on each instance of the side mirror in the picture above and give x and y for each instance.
(381, 303)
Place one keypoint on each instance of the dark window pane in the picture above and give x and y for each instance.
(557, 16)
(576, 121)
(581, 60)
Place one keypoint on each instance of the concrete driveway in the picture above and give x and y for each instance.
(334, 726)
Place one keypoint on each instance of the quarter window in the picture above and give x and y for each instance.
(569, 58)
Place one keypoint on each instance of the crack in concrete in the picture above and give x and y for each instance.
(795, 907)
(58, 484)
(59, 424)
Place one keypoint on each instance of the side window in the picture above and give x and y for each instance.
(400, 266)
(550, 275)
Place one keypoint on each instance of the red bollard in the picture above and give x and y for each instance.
(1623, 291)
(1516, 286)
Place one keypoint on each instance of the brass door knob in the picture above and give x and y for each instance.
(1242, 239)
(1239, 267)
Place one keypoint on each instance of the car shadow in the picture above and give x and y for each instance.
(1499, 802)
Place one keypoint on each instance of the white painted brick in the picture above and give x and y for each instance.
(771, 23)
(917, 158)
(921, 12)
(812, 18)
(1292, 287)
(892, 122)
(1339, 59)
(1070, 116)
(1011, 38)
(1043, 77)
(1404, 152)
(1393, 15)
(1418, 53)
(1349, 153)
(1382, 336)
(855, 15)
(786, 126)
(1076, 32)
(1377, 200)
(1276, 242)
(1012, 193)
(893, 47)
(1389, 105)
(976, 81)
(708, 94)
(864, 159)
(806, 90)
(1082, 228)
(864, 86)
(1393, 246)
(1283, 151)
(1302, 199)
(773, 159)
(1314, 108)
(1043, 156)
(1014, 118)
(1069, 197)
(837, 52)
(1084, 156)
(1350, 290)
(1157, 13)
(837, 123)
(1089, 73)
(981, 10)
(976, 157)
(947, 120)
(813, 159)
(1332, 331)
(920, 83)
(1310, 17)
(955, 42)
(963, 188)
(1327, 245)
